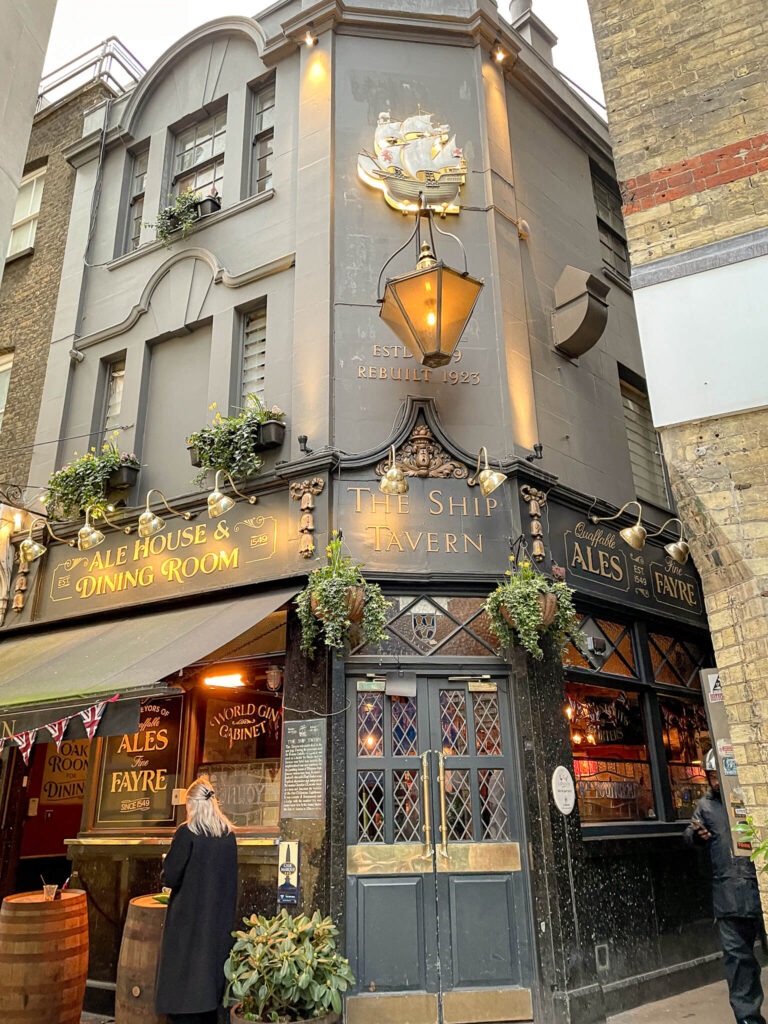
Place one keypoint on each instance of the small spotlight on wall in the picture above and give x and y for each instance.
(632, 535)
(499, 54)
(310, 39)
(225, 682)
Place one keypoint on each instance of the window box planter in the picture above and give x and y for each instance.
(210, 204)
(271, 434)
(123, 478)
(194, 455)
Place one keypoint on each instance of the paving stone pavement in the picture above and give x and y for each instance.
(705, 1005)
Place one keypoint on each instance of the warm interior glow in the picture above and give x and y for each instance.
(17, 520)
(577, 737)
(431, 319)
(370, 741)
(224, 681)
(569, 713)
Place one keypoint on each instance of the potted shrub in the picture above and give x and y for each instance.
(337, 597)
(233, 442)
(90, 479)
(529, 605)
(286, 969)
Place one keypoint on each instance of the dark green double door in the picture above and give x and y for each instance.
(437, 917)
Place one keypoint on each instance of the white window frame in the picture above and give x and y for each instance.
(263, 141)
(118, 365)
(6, 364)
(213, 162)
(28, 218)
(136, 196)
(258, 351)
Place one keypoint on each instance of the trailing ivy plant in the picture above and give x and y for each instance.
(747, 830)
(519, 595)
(178, 217)
(329, 586)
(83, 481)
(230, 441)
(286, 969)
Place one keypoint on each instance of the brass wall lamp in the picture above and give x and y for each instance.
(676, 549)
(89, 536)
(30, 549)
(428, 308)
(219, 503)
(393, 481)
(633, 535)
(488, 479)
(150, 522)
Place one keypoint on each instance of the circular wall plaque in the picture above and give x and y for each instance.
(563, 790)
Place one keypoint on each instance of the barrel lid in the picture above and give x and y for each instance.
(148, 901)
(37, 897)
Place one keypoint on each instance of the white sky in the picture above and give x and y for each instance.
(148, 27)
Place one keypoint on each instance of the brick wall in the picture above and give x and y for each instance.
(30, 284)
(687, 95)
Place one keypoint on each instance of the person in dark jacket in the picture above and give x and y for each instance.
(201, 870)
(735, 899)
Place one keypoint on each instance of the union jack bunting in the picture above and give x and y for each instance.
(57, 730)
(92, 716)
(25, 741)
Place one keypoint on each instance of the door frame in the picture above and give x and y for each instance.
(442, 668)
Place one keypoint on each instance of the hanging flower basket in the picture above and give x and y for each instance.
(528, 606)
(337, 600)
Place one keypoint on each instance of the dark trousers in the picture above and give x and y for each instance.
(738, 936)
(193, 1018)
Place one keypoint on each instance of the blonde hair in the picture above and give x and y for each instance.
(204, 816)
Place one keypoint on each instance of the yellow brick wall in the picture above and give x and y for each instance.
(682, 80)
(719, 473)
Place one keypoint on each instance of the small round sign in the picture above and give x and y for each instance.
(563, 790)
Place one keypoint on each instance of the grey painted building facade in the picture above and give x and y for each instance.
(526, 916)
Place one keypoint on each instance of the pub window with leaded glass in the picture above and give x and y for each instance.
(686, 741)
(607, 647)
(610, 754)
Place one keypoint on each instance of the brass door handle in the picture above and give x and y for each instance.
(443, 817)
(428, 848)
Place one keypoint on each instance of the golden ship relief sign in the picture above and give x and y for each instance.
(414, 156)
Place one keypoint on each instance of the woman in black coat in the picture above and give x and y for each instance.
(201, 871)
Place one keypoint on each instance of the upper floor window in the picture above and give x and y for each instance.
(610, 226)
(644, 446)
(254, 354)
(136, 200)
(6, 361)
(115, 382)
(199, 155)
(263, 137)
(27, 211)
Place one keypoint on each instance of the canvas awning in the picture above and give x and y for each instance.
(70, 668)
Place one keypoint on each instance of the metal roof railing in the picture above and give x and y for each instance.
(109, 62)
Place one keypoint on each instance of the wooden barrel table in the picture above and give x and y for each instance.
(137, 966)
(43, 958)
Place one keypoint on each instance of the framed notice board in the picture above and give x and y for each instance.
(139, 771)
(303, 789)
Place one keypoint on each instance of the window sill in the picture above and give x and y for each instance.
(633, 830)
(617, 279)
(20, 254)
(199, 225)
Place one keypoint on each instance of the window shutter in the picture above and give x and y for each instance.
(255, 354)
(644, 447)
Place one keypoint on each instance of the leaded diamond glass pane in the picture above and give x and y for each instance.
(487, 724)
(458, 804)
(370, 807)
(453, 722)
(404, 727)
(370, 725)
(493, 804)
(406, 806)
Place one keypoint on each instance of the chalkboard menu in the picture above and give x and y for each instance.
(303, 791)
(249, 793)
(139, 770)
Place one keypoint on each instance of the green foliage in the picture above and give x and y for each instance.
(748, 830)
(518, 594)
(285, 968)
(179, 216)
(83, 482)
(230, 442)
(329, 585)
